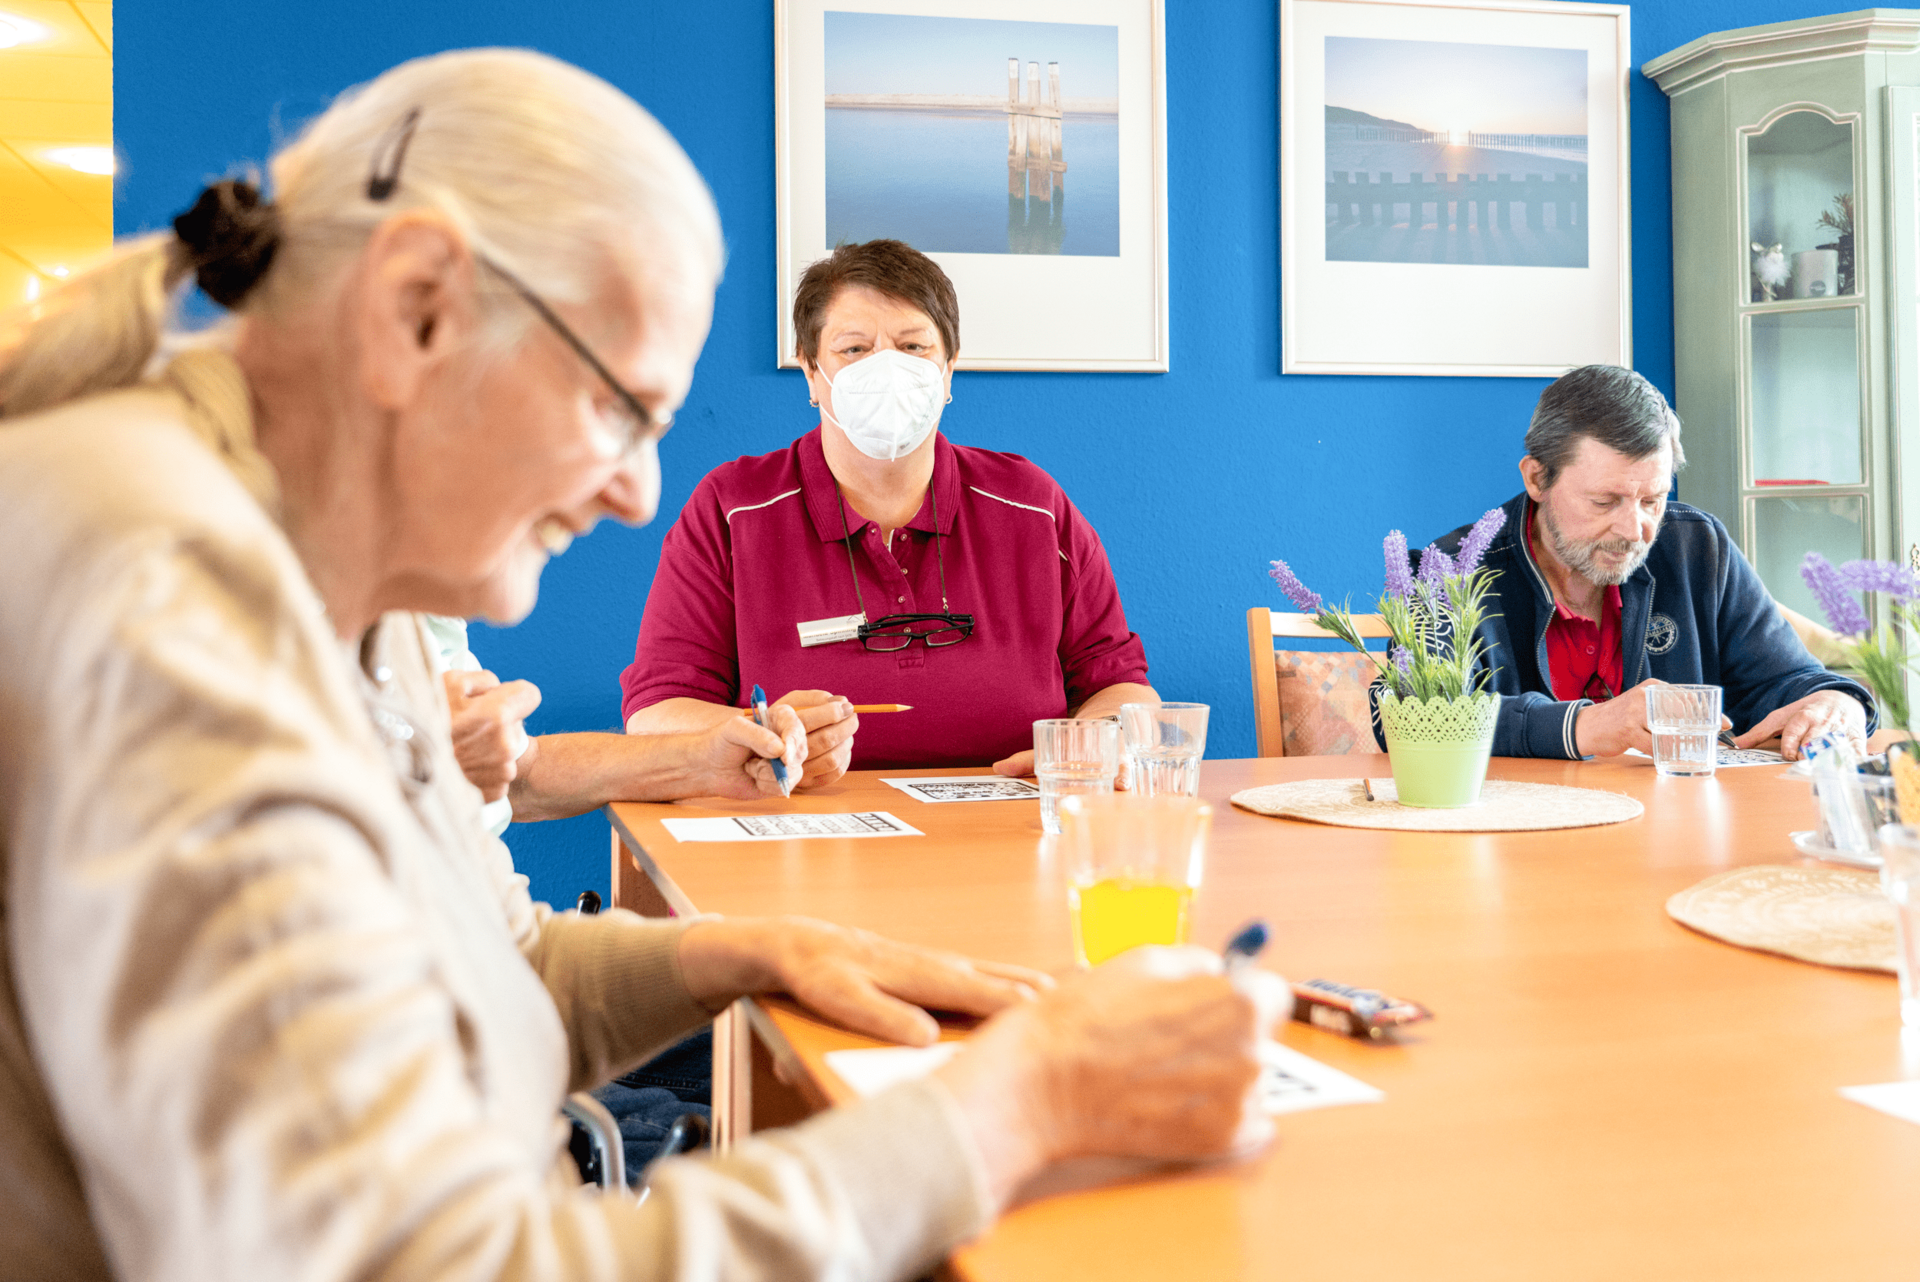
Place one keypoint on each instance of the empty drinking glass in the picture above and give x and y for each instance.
(1685, 722)
(1164, 744)
(1900, 877)
(1073, 757)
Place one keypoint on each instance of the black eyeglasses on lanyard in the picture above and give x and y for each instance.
(898, 631)
(631, 423)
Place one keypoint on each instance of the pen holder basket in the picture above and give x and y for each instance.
(1439, 747)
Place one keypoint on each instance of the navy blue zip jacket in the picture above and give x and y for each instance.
(1695, 613)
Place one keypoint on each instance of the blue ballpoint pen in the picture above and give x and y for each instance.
(1245, 946)
(779, 766)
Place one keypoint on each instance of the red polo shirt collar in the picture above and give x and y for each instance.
(823, 494)
(1577, 647)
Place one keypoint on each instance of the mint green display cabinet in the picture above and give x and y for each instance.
(1796, 265)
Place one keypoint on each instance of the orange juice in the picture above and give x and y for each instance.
(1118, 913)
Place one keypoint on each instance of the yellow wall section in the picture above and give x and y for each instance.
(56, 92)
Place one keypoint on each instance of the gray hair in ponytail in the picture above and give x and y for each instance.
(547, 169)
(96, 332)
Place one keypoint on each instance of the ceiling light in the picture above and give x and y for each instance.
(18, 31)
(86, 160)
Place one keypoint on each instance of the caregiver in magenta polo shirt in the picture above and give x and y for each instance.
(988, 598)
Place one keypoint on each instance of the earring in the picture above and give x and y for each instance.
(813, 402)
(949, 398)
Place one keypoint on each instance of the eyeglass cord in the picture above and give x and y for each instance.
(940, 559)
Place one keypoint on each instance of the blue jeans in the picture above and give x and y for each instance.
(647, 1101)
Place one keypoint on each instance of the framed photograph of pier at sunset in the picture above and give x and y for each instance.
(1019, 143)
(1453, 187)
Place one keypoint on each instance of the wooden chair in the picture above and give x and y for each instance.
(1263, 626)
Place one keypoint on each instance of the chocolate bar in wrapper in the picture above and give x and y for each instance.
(1356, 1012)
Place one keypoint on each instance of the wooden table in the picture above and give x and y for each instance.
(1604, 1094)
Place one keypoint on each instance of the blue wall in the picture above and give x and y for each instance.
(1195, 478)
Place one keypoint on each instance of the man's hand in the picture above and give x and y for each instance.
(1154, 1054)
(488, 735)
(1801, 722)
(859, 980)
(734, 759)
(830, 723)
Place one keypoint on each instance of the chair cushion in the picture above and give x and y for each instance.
(1323, 702)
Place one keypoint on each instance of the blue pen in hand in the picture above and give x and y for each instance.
(1245, 946)
(760, 719)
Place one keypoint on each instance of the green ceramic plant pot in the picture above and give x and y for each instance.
(1439, 747)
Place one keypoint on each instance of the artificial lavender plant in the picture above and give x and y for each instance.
(1434, 616)
(1879, 655)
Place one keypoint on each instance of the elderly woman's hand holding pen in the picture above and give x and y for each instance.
(1154, 1054)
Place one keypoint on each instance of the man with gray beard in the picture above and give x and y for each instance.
(1601, 587)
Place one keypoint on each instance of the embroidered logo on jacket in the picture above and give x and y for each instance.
(1662, 632)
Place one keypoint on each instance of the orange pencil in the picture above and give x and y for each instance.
(883, 707)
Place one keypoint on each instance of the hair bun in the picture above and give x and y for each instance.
(231, 235)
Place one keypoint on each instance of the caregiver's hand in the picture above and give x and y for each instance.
(831, 722)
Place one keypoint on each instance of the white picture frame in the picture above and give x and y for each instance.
(1531, 308)
(1063, 310)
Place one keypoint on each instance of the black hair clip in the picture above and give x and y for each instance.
(391, 154)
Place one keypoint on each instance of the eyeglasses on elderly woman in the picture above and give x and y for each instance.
(631, 423)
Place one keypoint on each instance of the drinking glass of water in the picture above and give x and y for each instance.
(1073, 757)
(1164, 744)
(1685, 721)
(1900, 878)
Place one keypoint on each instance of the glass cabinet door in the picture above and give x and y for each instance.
(1800, 208)
(1804, 409)
(1787, 528)
(1902, 490)
(1804, 477)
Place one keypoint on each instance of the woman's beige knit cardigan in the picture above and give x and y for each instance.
(271, 1005)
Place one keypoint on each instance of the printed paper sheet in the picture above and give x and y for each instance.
(870, 823)
(944, 788)
(1896, 1099)
(1289, 1081)
(1725, 756)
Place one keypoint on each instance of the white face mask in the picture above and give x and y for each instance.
(888, 403)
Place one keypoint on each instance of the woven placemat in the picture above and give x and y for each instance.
(1824, 915)
(1504, 806)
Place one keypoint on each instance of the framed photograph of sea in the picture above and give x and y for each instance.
(1021, 145)
(1453, 187)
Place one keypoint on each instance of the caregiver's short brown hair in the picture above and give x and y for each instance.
(890, 267)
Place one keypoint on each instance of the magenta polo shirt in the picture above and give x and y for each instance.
(759, 548)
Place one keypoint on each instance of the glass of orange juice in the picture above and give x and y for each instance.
(1133, 863)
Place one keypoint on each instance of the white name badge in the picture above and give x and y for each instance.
(846, 627)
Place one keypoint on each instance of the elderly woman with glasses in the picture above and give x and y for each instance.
(271, 1003)
(875, 561)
